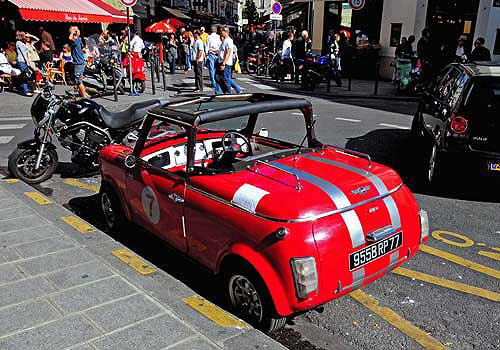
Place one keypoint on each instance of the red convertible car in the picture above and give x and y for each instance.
(288, 226)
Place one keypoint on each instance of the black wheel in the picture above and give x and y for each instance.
(114, 217)
(260, 70)
(22, 165)
(248, 298)
(431, 169)
(250, 68)
(139, 86)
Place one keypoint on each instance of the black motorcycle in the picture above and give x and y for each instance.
(98, 75)
(82, 126)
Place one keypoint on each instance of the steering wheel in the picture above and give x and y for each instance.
(231, 138)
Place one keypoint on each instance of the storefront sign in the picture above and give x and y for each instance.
(357, 4)
(128, 3)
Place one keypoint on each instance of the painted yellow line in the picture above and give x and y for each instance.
(38, 198)
(78, 224)
(397, 321)
(460, 261)
(11, 181)
(83, 185)
(213, 312)
(495, 248)
(134, 261)
(491, 255)
(447, 283)
(466, 241)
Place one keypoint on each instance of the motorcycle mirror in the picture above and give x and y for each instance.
(130, 161)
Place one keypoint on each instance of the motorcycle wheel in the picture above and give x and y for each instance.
(250, 68)
(139, 86)
(22, 165)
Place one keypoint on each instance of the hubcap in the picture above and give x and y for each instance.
(432, 163)
(107, 209)
(245, 298)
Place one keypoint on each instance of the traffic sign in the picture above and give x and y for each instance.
(357, 4)
(128, 3)
(274, 17)
(276, 8)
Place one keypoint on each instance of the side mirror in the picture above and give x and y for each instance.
(263, 132)
(130, 161)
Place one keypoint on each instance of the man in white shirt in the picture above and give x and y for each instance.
(5, 67)
(199, 57)
(286, 57)
(211, 50)
(226, 61)
(136, 44)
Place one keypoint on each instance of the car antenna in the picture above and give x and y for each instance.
(303, 140)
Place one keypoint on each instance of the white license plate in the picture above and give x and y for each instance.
(375, 251)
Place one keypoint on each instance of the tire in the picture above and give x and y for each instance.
(111, 208)
(22, 162)
(139, 86)
(250, 68)
(431, 169)
(242, 282)
(260, 70)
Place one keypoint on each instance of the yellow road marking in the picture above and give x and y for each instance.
(467, 242)
(78, 224)
(495, 248)
(133, 261)
(460, 261)
(11, 181)
(481, 244)
(79, 184)
(491, 255)
(213, 312)
(38, 198)
(447, 283)
(396, 320)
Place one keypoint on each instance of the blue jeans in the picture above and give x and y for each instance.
(229, 82)
(212, 60)
(22, 66)
(188, 61)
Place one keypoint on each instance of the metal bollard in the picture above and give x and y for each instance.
(377, 77)
(329, 81)
(163, 77)
(153, 88)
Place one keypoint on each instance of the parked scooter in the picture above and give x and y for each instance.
(138, 71)
(98, 75)
(82, 126)
(313, 70)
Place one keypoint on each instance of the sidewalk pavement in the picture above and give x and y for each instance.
(360, 89)
(66, 285)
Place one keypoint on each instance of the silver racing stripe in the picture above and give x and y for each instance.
(357, 277)
(338, 197)
(374, 179)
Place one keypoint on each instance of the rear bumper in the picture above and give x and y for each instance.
(476, 162)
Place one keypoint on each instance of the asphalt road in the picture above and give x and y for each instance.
(448, 296)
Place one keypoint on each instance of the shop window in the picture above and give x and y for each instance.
(496, 49)
(396, 29)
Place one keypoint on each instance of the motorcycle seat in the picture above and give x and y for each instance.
(137, 111)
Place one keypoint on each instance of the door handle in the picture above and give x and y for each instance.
(176, 198)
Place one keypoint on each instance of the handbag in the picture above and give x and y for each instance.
(28, 73)
(237, 67)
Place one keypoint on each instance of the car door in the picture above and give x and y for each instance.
(155, 194)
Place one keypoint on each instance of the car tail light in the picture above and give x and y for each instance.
(424, 226)
(458, 124)
(305, 276)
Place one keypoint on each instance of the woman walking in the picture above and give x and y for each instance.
(22, 59)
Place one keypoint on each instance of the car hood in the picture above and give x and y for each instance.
(302, 187)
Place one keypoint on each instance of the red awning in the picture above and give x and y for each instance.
(81, 11)
(119, 17)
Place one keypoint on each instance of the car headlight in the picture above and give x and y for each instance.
(424, 225)
(305, 277)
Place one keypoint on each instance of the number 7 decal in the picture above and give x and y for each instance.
(150, 205)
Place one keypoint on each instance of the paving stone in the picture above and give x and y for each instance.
(81, 347)
(56, 335)
(194, 344)
(5, 195)
(45, 246)
(55, 261)
(154, 334)
(18, 317)
(12, 213)
(80, 274)
(10, 203)
(21, 223)
(29, 235)
(84, 297)
(123, 312)
(252, 340)
(9, 273)
(19, 291)
(8, 254)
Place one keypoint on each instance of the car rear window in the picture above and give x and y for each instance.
(483, 98)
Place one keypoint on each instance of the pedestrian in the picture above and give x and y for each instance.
(212, 49)
(286, 58)
(460, 51)
(480, 52)
(123, 46)
(302, 47)
(187, 44)
(136, 44)
(335, 52)
(172, 53)
(77, 56)
(234, 85)
(46, 37)
(225, 63)
(22, 59)
(5, 66)
(46, 55)
(33, 56)
(199, 57)
(424, 54)
(203, 36)
(11, 54)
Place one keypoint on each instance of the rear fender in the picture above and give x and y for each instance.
(34, 144)
(266, 272)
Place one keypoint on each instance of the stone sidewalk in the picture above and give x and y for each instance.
(66, 285)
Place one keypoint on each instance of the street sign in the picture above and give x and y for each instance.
(275, 17)
(128, 3)
(276, 8)
(357, 4)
